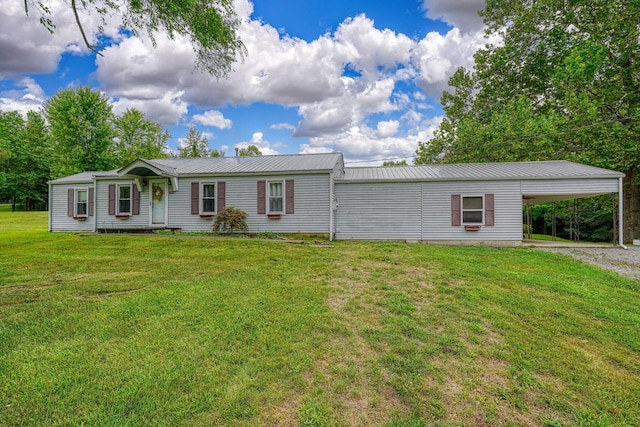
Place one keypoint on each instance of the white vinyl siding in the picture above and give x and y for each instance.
(311, 204)
(437, 211)
(106, 221)
(58, 198)
(378, 211)
(422, 211)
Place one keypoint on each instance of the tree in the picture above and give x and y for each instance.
(564, 84)
(26, 161)
(249, 151)
(211, 26)
(138, 137)
(217, 153)
(81, 126)
(195, 144)
(395, 163)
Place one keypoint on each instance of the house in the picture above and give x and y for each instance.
(315, 193)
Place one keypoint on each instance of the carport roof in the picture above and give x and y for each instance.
(555, 169)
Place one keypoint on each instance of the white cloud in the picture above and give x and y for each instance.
(257, 139)
(281, 126)
(30, 96)
(462, 14)
(167, 110)
(27, 47)
(213, 118)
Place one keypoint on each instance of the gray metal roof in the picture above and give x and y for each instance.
(82, 177)
(556, 169)
(254, 164)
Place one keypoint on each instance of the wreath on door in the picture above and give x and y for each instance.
(157, 193)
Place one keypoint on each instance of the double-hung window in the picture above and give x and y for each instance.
(276, 197)
(124, 199)
(82, 203)
(472, 210)
(208, 204)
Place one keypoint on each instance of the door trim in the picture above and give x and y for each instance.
(165, 185)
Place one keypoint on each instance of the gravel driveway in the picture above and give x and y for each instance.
(624, 262)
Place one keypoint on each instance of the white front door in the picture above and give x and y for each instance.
(158, 204)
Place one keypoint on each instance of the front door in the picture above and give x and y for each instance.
(158, 210)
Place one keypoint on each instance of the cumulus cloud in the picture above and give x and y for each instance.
(167, 110)
(28, 95)
(213, 118)
(335, 108)
(27, 47)
(462, 14)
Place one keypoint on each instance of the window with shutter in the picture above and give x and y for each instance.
(208, 203)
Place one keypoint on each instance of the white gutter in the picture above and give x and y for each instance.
(620, 216)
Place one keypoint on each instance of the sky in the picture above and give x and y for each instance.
(359, 77)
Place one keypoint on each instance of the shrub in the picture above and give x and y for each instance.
(230, 220)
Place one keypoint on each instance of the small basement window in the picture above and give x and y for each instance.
(472, 210)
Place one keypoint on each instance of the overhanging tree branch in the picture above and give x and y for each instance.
(84, 37)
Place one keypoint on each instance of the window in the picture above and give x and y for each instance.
(472, 209)
(82, 202)
(208, 205)
(124, 199)
(276, 197)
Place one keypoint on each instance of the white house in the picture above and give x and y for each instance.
(315, 193)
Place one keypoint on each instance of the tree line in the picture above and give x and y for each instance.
(77, 131)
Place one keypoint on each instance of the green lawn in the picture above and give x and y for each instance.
(171, 330)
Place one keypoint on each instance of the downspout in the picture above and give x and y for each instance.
(620, 216)
(95, 206)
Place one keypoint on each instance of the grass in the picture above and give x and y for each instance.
(136, 330)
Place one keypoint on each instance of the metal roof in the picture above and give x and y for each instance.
(251, 164)
(555, 169)
(82, 177)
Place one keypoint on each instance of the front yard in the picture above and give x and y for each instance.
(166, 330)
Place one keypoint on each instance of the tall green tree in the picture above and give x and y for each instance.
(25, 165)
(565, 83)
(249, 151)
(195, 144)
(81, 126)
(135, 136)
(211, 26)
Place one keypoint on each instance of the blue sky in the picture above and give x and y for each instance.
(359, 77)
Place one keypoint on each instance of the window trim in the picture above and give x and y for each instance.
(118, 199)
(75, 202)
(201, 198)
(268, 198)
(463, 210)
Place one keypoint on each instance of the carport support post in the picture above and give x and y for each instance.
(620, 210)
